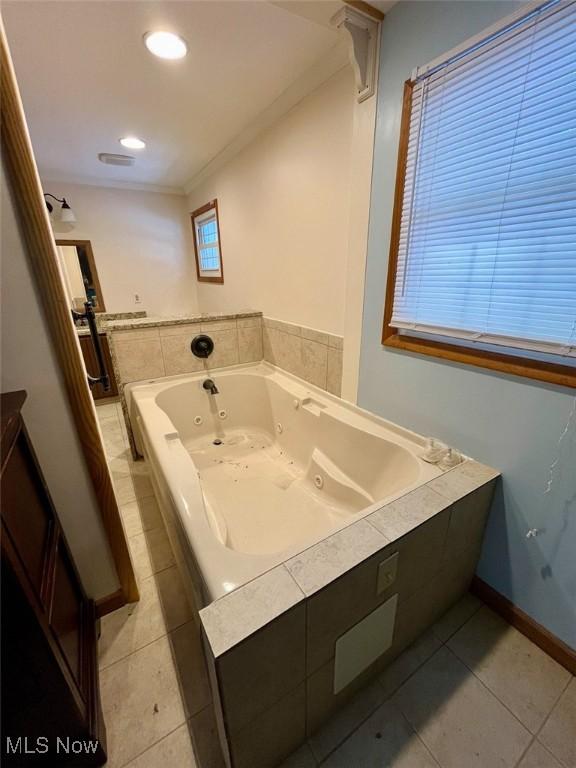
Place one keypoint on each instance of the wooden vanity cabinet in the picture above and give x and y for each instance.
(49, 656)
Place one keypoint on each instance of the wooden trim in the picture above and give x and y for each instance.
(516, 365)
(366, 8)
(397, 213)
(40, 247)
(110, 603)
(562, 375)
(100, 307)
(212, 205)
(540, 636)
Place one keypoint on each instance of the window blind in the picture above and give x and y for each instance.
(487, 243)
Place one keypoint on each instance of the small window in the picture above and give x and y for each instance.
(483, 251)
(207, 246)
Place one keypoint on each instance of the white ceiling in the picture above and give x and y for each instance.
(86, 79)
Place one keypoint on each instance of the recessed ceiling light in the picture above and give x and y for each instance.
(166, 45)
(132, 142)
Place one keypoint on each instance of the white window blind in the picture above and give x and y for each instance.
(487, 247)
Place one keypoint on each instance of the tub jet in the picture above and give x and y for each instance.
(216, 442)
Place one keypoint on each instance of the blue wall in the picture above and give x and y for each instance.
(510, 423)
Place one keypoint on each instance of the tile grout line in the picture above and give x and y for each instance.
(135, 757)
(490, 691)
(414, 671)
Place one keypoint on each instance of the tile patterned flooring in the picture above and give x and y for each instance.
(472, 692)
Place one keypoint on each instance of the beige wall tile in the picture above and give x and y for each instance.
(225, 349)
(269, 664)
(319, 336)
(250, 344)
(249, 322)
(521, 675)
(138, 360)
(142, 334)
(284, 327)
(444, 698)
(272, 736)
(334, 372)
(141, 701)
(314, 362)
(180, 329)
(178, 357)
(219, 325)
(335, 342)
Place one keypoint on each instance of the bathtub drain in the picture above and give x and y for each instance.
(216, 442)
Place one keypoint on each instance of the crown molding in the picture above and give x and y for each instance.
(89, 181)
(330, 64)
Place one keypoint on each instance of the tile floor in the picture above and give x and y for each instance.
(472, 692)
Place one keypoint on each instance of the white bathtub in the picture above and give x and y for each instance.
(293, 465)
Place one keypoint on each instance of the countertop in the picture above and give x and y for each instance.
(152, 322)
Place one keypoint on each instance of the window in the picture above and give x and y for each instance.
(483, 251)
(207, 246)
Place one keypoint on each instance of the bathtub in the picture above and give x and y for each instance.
(269, 466)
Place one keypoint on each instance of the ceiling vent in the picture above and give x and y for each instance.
(111, 159)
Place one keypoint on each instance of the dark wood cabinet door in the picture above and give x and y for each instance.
(28, 520)
(66, 616)
(92, 365)
(49, 664)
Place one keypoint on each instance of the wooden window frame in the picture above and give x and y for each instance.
(203, 278)
(101, 307)
(517, 365)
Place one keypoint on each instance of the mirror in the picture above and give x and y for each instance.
(80, 275)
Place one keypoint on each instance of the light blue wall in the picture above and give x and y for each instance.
(510, 423)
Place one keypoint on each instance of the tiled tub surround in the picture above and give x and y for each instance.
(266, 467)
(312, 355)
(151, 348)
(271, 644)
(499, 692)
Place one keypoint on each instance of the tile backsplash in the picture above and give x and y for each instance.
(312, 355)
(164, 350)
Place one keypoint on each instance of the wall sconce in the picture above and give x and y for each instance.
(66, 213)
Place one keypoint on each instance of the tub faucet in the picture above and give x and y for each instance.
(209, 385)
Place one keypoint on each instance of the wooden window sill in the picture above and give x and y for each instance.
(552, 373)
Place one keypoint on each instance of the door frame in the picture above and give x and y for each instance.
(40, 246)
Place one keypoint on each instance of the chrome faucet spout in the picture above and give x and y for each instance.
(210, 386)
